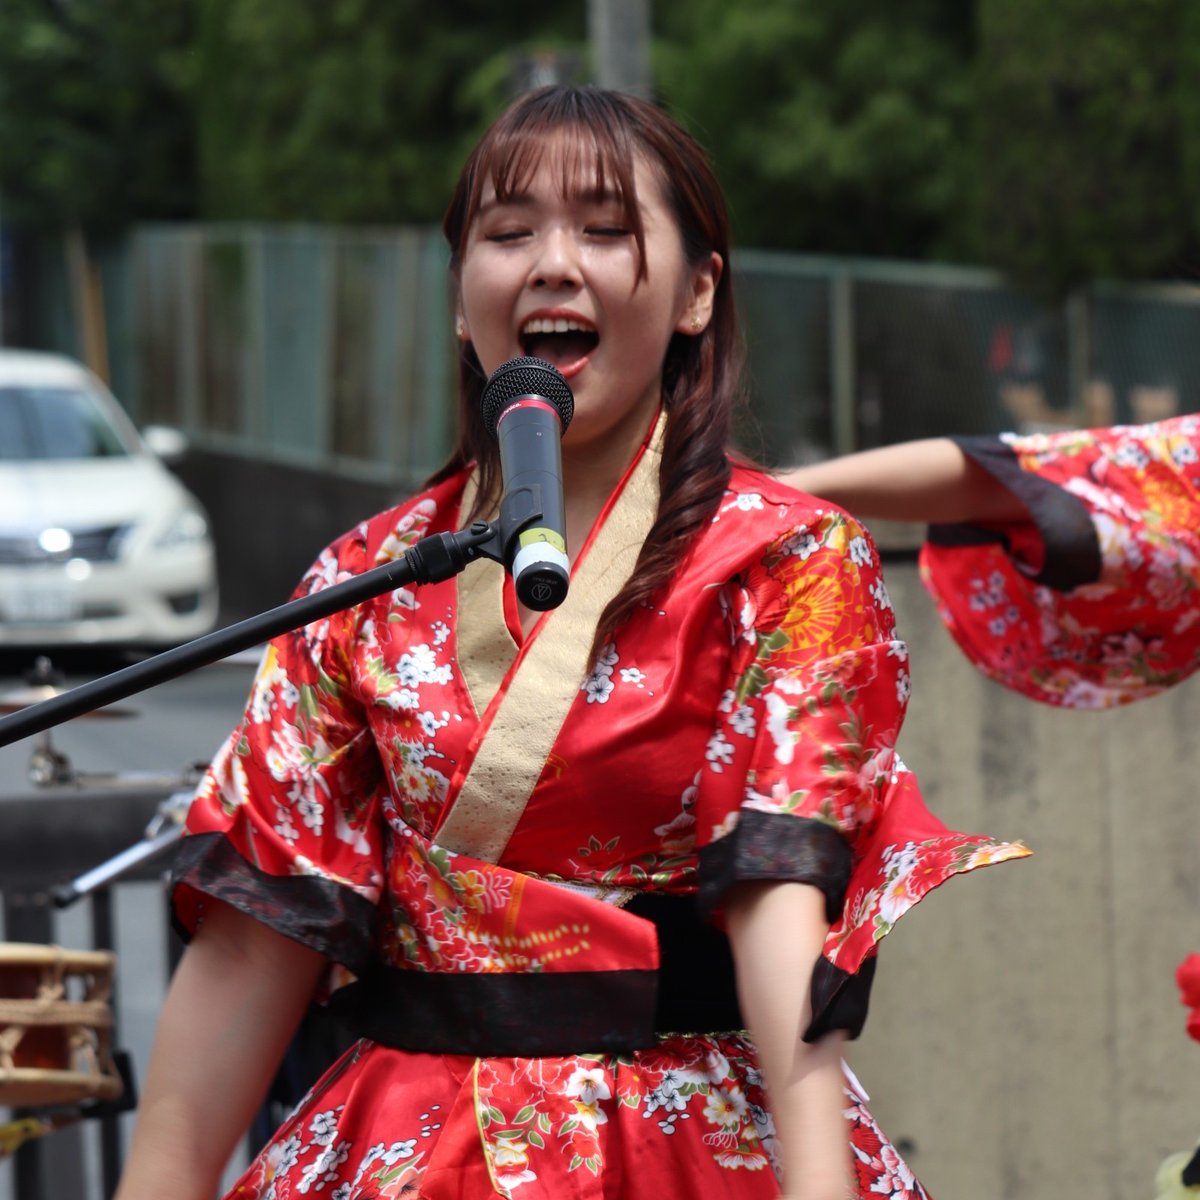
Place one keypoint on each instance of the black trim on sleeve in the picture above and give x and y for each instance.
(839, 1000)
(777, 846)
(1072, 548)
(326, 916)
(1191, 1171)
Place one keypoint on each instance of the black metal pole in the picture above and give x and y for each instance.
(431, 560)
(110, 1131)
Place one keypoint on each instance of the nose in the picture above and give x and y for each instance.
(556, 264)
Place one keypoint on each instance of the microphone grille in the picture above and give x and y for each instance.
(526, 376)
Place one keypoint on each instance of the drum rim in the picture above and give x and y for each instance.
(42, 954)
(22, 1087)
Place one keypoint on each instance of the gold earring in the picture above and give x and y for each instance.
(460, 327)
(697, 324)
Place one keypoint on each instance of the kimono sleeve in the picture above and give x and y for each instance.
(804, 751)
(803, 781)
(285, 826)
(1095, 599)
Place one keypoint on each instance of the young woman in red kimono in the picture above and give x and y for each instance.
(1066, 565)
(551, 868)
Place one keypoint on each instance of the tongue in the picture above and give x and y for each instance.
(561, 349)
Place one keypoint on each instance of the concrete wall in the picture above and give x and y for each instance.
(1026, 1036)
(271, 520)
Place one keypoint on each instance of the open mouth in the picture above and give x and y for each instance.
(561, 341)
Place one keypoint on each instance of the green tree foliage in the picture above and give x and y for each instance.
(1187, 84)
(1078, 142)
(835, 127)
(1058, 140)
(94, 131)
(353, 110)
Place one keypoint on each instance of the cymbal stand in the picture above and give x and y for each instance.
(163, 831)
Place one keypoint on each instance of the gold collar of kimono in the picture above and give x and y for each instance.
(524, 700)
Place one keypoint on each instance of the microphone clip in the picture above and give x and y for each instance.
(442, 556)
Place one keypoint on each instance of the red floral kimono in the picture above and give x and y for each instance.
(516, 857)
(1095, 600)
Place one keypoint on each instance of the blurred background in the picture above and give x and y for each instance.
(956, 216)
(965, 215)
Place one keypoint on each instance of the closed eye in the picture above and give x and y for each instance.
(508, 235)
(612, 231)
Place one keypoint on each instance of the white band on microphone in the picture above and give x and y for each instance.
(537, 553)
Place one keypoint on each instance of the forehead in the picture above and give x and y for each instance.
(569, 165)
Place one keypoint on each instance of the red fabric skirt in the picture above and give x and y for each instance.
(687, 1118)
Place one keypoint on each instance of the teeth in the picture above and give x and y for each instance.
(554, 325)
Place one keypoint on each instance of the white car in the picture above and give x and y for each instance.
(99, 542)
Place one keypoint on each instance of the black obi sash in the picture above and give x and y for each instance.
(578, 1012)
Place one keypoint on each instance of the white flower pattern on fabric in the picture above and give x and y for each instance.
(312, 813)
(284, 825)
(726, 1107)
(746, 502)
(802, 544)
(599, 685)
(431, 723)
(598, 688)
(779, 715)
(421, 666)
(324, 1127)
(742, 722)
(860, 552)
(719, 753)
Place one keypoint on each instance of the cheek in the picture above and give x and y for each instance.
(482, 280)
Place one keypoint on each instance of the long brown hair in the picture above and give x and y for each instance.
(702, 374)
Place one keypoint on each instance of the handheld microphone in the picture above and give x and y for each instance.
(527, 406)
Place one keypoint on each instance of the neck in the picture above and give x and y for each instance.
(590, 476)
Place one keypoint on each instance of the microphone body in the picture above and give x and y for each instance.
(527, 405)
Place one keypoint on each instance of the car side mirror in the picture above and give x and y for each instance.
(166, 442)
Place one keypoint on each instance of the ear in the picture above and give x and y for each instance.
(702, 291)
(460, 328)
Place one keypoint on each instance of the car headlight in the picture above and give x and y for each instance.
(189, 528)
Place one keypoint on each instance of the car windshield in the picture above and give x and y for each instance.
(55, 423)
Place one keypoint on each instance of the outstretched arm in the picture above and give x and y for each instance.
(777, 930)
(234, 1003)
(931, 481)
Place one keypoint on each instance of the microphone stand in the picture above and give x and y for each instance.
(433, 559)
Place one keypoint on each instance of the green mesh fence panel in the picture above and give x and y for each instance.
(295, 307)
(223, 336)
(1145, 355)
(334, 347)
(158, 300)
(785, 319)
(936, 358)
